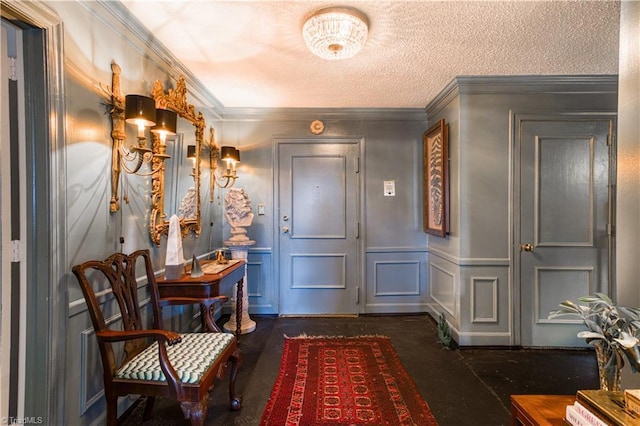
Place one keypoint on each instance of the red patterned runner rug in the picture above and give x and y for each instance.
(335, 381)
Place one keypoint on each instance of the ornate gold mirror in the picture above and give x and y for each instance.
(184, 202)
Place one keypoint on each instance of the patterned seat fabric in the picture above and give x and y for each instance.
(190, 358)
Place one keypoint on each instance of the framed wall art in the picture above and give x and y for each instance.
(436, 179)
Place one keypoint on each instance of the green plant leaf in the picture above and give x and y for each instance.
(590, 335)
(627, 340)
(592, 325)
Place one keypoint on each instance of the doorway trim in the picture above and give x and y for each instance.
(360, 269)
(514, 118)
(46, 257)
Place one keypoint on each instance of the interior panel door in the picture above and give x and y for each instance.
(318, 208)
(564, 216)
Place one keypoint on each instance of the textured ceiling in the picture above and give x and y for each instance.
(251, 53)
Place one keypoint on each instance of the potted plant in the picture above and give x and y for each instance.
(613, 331)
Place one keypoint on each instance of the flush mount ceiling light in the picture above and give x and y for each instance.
(335, 32)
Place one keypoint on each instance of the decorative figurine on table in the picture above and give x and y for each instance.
(238, 213)
(174, 260)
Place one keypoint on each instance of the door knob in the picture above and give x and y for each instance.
(526, 247)
(285, 229)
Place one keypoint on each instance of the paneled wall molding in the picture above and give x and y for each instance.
(476, 295)
(385, 288)
(117, 17)
(86, 400)
(473, 338)
(261, 250)
(437, 287)
(397, 308)
(471, 261)
(398, 249)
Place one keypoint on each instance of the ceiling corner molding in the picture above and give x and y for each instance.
(527, 84)
(303, 114)
(538, 84)
(120, 19)
(446, 95)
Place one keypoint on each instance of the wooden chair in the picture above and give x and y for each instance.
(155, 362)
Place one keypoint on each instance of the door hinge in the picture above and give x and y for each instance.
(357, 230)
(610, 229)
(16, 251)
(358, 165)
(13, 72)
(357, 295)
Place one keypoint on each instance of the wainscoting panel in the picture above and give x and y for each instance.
(484, 299)
(263, 293)
(442, 281)
(255, 278)
(395, 282)
(91, 382)
(393, 278)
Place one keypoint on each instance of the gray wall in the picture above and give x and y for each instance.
(628, 172)
(470, 272)
(95, 34)
(392, 226)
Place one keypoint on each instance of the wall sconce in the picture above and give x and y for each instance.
(191, 154)
(230, 156)
(141, 111)
(166, 124)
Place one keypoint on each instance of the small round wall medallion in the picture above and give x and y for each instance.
(317, 127)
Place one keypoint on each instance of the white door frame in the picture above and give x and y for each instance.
(361, 243)
(514, 117)
(44, 378)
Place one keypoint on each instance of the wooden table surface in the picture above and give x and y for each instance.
(540, 410)
(205, 289)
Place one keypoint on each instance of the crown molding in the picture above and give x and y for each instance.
(116, 16)
(296, 114)
(533, 84)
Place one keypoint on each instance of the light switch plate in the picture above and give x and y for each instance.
(389, 188)
(261, 209)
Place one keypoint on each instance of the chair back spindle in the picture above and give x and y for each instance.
(155, 362)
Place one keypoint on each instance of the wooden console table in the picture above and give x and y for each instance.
(204, 290)
(539, 410)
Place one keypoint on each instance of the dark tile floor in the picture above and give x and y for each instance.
(468, 386)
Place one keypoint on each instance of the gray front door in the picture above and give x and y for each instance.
(563, 249)
(318, 202)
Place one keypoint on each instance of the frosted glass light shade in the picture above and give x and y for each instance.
(335, 32)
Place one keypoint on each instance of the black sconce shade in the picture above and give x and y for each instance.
(166, 122)
(229, 153)
(140, 108)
